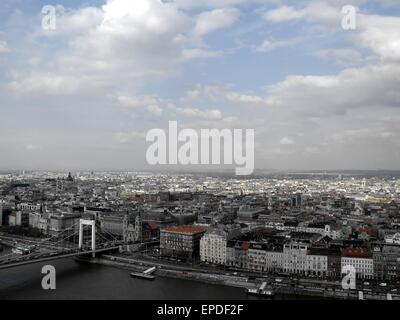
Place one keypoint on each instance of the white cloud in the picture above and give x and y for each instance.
(382, 35)
(270, 45)
(344, 56)
(284, 14)
(200, 114)
(245, 99)
(367, 87)
(125, 44)
(4, 47)
(150, 103)
(213, 20)
(74, 22)
(211, 91)
(223, 93)
(47, 83)
(379, 33)
(137, 101)
(326, 13)
(207, 3)
(155, 110)
(347, 118)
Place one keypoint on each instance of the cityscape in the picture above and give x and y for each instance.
(272, 236)
(200, 158)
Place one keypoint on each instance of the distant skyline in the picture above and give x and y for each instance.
(83, 96)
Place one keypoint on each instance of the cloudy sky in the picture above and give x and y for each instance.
(84, 95)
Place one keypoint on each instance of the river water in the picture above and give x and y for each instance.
(82, 281)
(88, 281)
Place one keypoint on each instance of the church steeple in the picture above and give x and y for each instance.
(70, 177)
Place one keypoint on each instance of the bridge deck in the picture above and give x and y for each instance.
(55, 257)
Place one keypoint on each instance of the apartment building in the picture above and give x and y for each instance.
(361, 259)
(213, 244)
(181, 241)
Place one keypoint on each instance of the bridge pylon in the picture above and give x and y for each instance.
(91, 223)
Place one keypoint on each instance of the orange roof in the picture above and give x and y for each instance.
(356, 253)
(245, 245)
(186, 229)
(152, 224)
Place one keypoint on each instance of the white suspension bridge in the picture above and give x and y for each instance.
(71, 242)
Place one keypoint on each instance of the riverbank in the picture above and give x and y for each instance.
(193, 274)
(133, 265)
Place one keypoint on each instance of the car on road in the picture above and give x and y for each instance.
(383, 284)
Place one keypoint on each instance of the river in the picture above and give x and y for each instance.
(82, 281)
(89, 281)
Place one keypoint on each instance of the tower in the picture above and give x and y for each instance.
(91, 223)
(138, 228)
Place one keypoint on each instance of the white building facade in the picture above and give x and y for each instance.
(362, 261)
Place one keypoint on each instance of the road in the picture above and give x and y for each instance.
(273, 280)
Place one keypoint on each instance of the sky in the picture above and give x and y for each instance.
(83, 96)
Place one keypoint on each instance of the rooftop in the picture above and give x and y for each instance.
(356, 253)
(186, 229)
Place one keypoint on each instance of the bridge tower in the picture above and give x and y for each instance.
(91, 223)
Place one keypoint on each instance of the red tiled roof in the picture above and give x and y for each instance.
(245, 245)
(356, 253)
(186, 229)
(153, 225)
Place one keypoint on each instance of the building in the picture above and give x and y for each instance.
(274, 258)
(214, 243)
(112, 224)
(361, 259)
(317, 262)
(248, 213)
(386, 262)
(333, 231)
(392, 238)
(295, 258)
(334, 262)
(237, 254)
(139, 230)
(1, 213)
(28, 207)
(181, 241)
(12, 219)
(67, 224)
(256, 256)
(6, 212)
(38, 221)
(21, 219)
